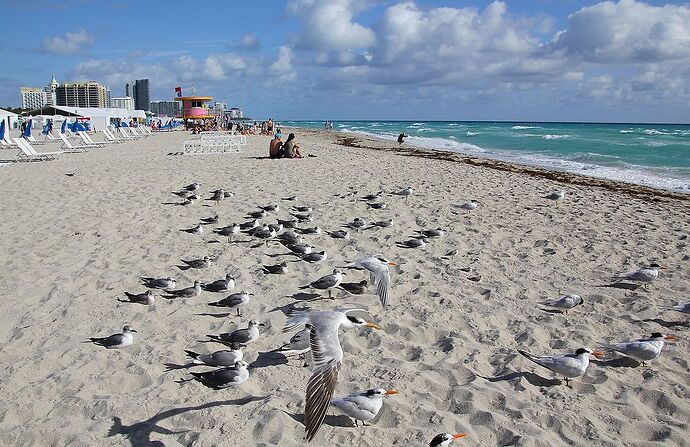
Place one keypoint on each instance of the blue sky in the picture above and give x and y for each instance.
(562, 60)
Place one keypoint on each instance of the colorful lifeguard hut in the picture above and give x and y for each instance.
(194, 107)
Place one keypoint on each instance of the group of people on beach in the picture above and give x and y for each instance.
(288, 149)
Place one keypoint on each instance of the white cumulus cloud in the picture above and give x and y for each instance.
(71, 43)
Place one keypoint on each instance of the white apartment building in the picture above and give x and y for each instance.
(33, 98)
(235, 113)
(123, 102)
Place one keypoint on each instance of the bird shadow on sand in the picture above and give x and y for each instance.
(620, 362)
(305, 296)
(551, 311)
(139, 433)
(533, 379)
(223, 315)
(265, 359)
(621, 285)
(333, 421)
(664, 323)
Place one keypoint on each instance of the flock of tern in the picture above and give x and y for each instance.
(318, 331)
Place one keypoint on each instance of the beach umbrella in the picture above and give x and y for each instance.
(27, 131)
(64, 126)
(2, 129)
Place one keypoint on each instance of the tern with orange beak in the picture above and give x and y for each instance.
(642, 349)
(363, 406)
(327, 356)
(569, 365)
(378, 274)
(444, 439)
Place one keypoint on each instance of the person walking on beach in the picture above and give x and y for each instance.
(401, 138)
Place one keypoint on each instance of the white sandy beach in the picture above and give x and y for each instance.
(72, 245)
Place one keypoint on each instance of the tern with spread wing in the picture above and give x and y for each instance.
(378, 274)
(327, 355)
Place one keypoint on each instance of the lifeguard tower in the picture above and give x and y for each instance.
(194, 108)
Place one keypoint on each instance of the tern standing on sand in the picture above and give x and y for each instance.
(327, 357)
(363, 406)
(569, 365)
(642, 349)
(116, 341)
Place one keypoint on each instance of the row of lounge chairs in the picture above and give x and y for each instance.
(28, 153)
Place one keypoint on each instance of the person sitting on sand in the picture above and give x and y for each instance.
(276, 147)
(291, 148)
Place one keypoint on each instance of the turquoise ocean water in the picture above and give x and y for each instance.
(656, 155)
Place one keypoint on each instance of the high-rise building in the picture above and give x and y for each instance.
(124, 102)
(166, 108)
(33, 98)
(139, 90)
(235, 113)
(82, 94)
(50, 91)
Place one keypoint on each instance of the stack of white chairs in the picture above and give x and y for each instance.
(215, 143)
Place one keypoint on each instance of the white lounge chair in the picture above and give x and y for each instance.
(72, 147)
(110, 137)
(126, 135)
(28, 153)
(88, 141)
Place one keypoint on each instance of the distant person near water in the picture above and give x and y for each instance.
(401, 138)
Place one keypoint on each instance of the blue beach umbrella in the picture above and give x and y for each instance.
(2, 129)
(27, 131)
(64, 126)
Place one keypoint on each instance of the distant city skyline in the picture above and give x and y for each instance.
(547, 60)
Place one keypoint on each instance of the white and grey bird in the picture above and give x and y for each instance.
(415, 242)
(300, 249)
(315, 257)
(302, 209)
(444, 439)
(327, 355)
(298, 344)
(363, 406)
(260, 214)
(357, 223)
(643, 275)
(339, 234)
(379, 275)
(327, 282)
(234, 301)
(303, 217)
(187, 292)
(288, 198)
(565, 303)
(160, 283)
(209, 220)
(230, 231)
(220, 285)
(197, 229)
(432, 232)
(289, 237)
(287, 223)
(250, 224)
(642, 349)
(355, 288)
(184, 193)
(116, 341)
(193, 186)
(569, 365)
(381, 224)
(277, 269)
(377, 205)
(224, 377)
(469, 205)
(264, 232)
(373, 196)
(405, 192)
(270, 208)
(241, 336)
(141, 298)
(201, 263)
(681, 307)
(217, 196)
(228, 194)
(276, 227)
(309, 230)
(555, 196)
(225, 357)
